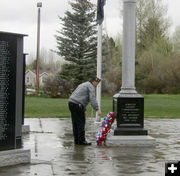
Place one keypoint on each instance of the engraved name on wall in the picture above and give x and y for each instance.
(4, 87)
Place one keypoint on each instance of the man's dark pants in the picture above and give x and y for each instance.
(78, 122)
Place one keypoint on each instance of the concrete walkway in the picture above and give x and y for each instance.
(54, 154)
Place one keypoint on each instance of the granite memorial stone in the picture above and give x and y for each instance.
(11, 90)
(130, 114)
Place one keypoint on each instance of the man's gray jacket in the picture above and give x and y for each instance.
(84, 94)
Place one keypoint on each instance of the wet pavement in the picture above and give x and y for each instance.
(54, 154)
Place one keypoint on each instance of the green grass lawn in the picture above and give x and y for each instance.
(156, 106)
(46, 107)
(58, 107)
(162, 106)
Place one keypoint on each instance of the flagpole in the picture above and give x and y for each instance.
(99, 69)
(100, 18)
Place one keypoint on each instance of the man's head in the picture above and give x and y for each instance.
(94, 81)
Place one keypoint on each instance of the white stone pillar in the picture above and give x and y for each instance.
(128, 53)
(128, 104)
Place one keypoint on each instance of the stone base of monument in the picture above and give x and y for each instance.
(14, 157)
(130, 131)
(25, 129)
(128, 141)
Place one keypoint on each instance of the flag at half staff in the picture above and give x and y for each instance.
(100, 11)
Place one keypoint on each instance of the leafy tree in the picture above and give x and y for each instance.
(57, 87)
(176, 40)
(32, 65)
(77, 42)
(152, 26)
(152, 44)
(111, 64)
(47, 61)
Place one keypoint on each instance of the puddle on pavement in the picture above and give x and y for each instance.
(58, 148)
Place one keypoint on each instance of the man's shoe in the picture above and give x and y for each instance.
(84, 143)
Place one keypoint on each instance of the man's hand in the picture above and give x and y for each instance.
(99, 112)
(85, 113)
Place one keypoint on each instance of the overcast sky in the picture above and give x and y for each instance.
(20, 16)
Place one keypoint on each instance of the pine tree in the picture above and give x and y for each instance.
(77, 42)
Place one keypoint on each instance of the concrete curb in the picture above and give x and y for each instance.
(14, 157)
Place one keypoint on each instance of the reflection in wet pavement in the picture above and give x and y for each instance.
(53, 151)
